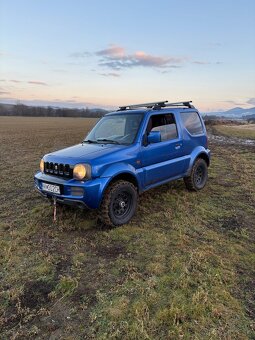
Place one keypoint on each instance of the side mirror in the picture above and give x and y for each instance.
(154, 137)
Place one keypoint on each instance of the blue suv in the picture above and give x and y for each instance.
(128, 152)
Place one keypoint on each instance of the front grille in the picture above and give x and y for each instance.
(58, 169)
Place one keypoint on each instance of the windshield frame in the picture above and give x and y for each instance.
(115, 115)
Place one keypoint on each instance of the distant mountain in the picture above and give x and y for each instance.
(236, 112)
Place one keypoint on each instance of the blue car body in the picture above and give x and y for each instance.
(145, 165)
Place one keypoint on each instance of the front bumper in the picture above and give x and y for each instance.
(80, 193)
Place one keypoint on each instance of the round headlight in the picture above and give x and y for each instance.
(42, 165)
(79, 171)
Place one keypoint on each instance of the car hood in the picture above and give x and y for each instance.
(83, 152)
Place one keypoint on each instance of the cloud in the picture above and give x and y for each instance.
(115, 57)
(36, 82)
(112, 51)
(80, 54)
(4, 93)
(15, 81)
(251, 101)
(110, 74)
(233, 102)
(200, 62)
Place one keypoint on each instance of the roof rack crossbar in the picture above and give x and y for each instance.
(147, 105)
(186, 103)
(157, 105)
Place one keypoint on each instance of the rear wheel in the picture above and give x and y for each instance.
(119, 203)
(198, 177)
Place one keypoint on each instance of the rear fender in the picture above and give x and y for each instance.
(199, 151)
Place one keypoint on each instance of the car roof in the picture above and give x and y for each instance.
(154, 111)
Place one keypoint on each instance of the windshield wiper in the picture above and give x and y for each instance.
(89, 141)
(107, 141)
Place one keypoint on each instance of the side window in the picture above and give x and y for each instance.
(165, 124)
(192, 122)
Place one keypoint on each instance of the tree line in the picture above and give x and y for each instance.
(40, 111)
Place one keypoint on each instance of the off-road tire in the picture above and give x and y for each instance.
(196, 181)
(115, 192)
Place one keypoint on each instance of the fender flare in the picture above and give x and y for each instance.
(118, 169)
(201, 152)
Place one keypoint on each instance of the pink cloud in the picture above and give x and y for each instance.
(156, 61)
(112, 51)
(116, 58)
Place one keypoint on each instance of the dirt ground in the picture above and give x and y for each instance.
(183, 268)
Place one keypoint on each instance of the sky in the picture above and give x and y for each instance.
(108, 53)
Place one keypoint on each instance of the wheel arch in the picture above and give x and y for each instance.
(125, 176)
(199, 152)
(204, 156)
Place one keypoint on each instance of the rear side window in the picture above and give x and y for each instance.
(164, 123)
(192, 122)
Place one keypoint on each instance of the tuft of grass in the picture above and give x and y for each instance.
(65, 287)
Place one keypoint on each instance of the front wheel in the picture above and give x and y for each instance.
(198, 177)
(119, 203)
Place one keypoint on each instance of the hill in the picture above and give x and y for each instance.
(235, 113)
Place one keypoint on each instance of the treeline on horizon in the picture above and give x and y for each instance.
(49, 111)
(211, 119)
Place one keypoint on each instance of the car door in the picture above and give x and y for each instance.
(162, 160)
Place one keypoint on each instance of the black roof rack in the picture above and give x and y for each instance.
(186, 103)
(156, 105)
(147, 105)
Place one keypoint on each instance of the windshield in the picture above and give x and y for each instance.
(116, 129)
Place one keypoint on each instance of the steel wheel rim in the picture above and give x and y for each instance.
(199, 175)
(122, 204)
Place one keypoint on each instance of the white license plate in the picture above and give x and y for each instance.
(55, 189)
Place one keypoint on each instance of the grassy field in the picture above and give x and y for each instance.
(241, 131)
(182, 269)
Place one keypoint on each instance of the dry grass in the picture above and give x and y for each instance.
(241, 131)
(183, 268)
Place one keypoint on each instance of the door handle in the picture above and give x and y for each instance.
(178, 145)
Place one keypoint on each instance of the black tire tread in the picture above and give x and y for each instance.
(189, 182)
(104, 211)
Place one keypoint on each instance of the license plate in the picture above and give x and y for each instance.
(55, 189)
